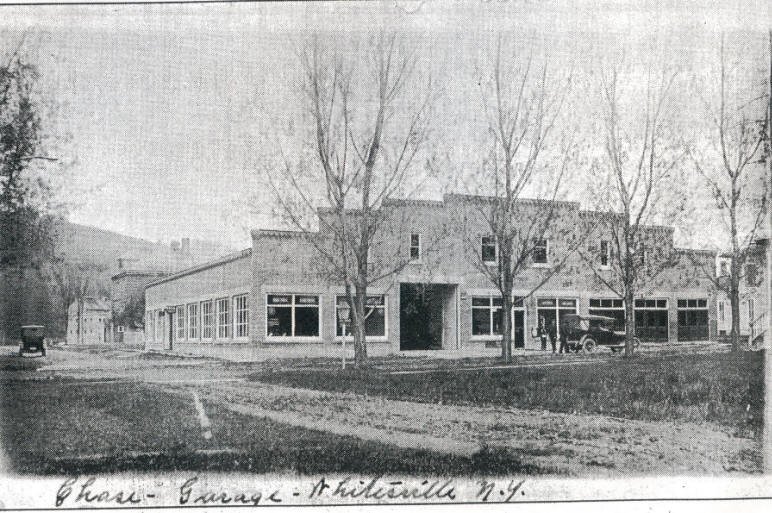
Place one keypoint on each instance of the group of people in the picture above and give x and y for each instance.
(549, 330)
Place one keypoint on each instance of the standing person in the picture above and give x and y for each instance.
(563, 338)
(541, 331)
(553, 333)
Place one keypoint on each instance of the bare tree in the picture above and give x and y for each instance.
(73, 283)
(369, 124)
(730, 169)
(522, 103)
(633, 183)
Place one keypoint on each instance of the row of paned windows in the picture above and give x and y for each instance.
(489, 250)
(298, 316)
(222, 318)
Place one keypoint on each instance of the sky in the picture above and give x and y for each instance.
(168, 111)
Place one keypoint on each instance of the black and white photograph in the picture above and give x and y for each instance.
(392, 252)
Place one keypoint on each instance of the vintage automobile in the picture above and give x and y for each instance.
(587, 332)
(32, 340)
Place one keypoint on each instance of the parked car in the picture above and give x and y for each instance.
(32, 340)
(587, 332)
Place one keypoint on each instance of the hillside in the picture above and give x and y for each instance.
(102, 249)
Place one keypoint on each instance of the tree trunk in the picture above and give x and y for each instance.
(360, 342)
(79, 339)
(629, 323)
(506, 341)
(734, 302)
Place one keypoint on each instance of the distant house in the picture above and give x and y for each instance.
(754, 301)
(88, 322)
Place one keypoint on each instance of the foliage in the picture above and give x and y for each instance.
(132, 314)
(25, 222)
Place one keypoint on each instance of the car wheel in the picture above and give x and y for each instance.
(589, 345)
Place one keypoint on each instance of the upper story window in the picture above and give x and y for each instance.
(415, 246)
(605, 254)
(489, 249)
(751, 275)
(723, 268)
(642, 254)
(540, 251)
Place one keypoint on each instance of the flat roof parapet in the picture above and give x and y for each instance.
(201, 267)
(281, 234)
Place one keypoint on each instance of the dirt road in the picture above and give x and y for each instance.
(566, 443)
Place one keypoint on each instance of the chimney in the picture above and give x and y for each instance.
(186, 245)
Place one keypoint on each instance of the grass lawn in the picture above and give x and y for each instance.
(70, 427)
(721, 388)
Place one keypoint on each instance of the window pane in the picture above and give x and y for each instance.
(180, 314)
(481, 321)
(568, 303)
(279, 321)
(594, 303)
(306, 322)
(545, 302)
(375, 300)
(481, 301)
(279, 300)
(223, 318)
(497, 321)
(193, 321)
(497, 301)
(375, 325)
(306, 300)
(540, 252)
(488, 249)
(207, 312)
(241, 315)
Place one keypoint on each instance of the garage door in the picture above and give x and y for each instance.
(693, 319)
(651, 319)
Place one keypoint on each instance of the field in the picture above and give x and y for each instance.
(75, 427)
(80, 412)
(721, 388)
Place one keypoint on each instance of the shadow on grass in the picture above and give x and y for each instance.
(341, 457)
(51, 429)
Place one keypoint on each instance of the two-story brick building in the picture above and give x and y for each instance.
(280, 295)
